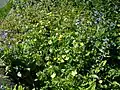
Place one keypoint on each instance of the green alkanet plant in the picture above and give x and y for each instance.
(63, 44)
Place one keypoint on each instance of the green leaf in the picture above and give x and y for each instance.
(92, 86)
(81, 44)
(94, 76)
(20, 87)
(97, 44)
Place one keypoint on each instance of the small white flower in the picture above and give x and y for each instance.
(50, 67)
(28, 69)
(53, 75)
(50, 42)
(35, 79)
(100, 81)
(35, 39)
(56, 34)
(74, 73)
(77, 22)
(19, 74)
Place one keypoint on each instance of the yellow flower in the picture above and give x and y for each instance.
(100, 81)
(60, 37)
(81, 44)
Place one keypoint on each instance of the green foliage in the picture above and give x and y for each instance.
(63, 44)
(16, 87)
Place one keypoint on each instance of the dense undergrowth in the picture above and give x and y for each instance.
(63, 44)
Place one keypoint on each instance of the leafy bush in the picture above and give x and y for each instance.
(63, 44)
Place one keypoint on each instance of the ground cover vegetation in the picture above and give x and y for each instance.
(62, 44)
